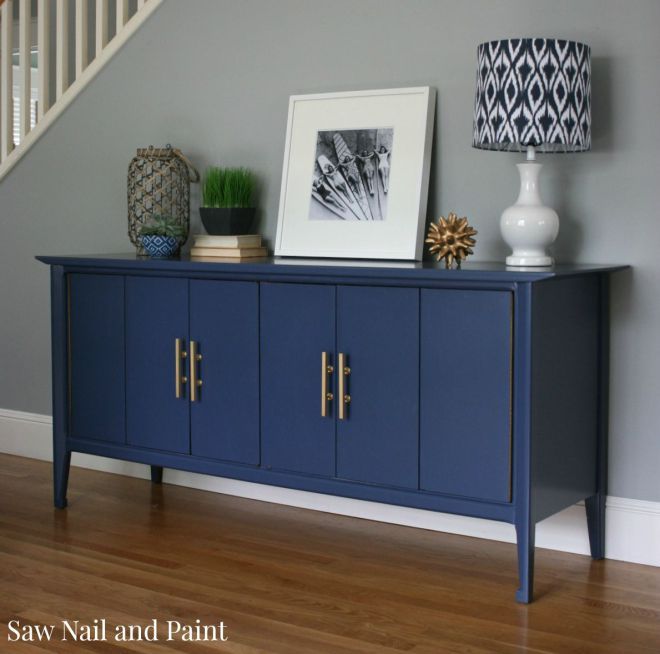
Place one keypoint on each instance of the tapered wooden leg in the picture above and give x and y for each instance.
(525, 534)
(61, 465)
(61, 456)
(595, 506)
(157, 474)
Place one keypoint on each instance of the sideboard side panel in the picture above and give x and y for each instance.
(96, 356)
(466, 379)
(565, 387)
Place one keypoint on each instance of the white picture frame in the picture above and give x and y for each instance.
(373, 206)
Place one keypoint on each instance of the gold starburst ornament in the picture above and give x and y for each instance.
(451, 239)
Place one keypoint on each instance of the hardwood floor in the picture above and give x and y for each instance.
(290, 581)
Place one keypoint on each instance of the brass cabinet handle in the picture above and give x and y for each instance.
(344, 397)
(195, 381)
(179, 379)
(326, 396)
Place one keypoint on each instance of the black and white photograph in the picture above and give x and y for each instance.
(356, 157)
(351, 174)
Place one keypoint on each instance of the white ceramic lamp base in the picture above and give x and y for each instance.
(529, 227)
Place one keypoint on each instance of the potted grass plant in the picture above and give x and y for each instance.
(162, 236)
(227, 200)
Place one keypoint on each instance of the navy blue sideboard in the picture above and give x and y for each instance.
(480, 391)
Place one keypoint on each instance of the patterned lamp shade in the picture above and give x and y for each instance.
(533, 92)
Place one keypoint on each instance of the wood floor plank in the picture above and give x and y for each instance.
(293, 581)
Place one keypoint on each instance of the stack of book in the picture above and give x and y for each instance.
(235, 247)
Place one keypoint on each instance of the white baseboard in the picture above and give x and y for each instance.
(633, 526)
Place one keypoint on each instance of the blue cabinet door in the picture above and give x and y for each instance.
(224, 322)
(156, 315)
(465, 393)
(96, 357)
(378, 332)
(297, 325)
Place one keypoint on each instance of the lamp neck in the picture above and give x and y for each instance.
(529, 183)
(531, 153)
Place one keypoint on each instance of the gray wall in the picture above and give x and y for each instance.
(213, 77)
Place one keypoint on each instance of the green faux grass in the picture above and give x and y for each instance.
(227, 187)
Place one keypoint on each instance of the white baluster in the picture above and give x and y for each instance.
(24, 65)
(101, 25)
(82, 58)
(55, 92)
(43, 63)
(62, 48)
(122, 14)
(6, 78)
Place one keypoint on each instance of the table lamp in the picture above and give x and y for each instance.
(532, 95)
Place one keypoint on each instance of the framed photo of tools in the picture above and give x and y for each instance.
(355, 175)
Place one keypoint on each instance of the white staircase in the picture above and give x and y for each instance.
(44, 64)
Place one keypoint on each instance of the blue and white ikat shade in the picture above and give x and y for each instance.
(533, 92)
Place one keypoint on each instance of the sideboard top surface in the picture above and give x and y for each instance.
(331, 268)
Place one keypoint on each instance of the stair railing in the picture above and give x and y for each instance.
(43, 66)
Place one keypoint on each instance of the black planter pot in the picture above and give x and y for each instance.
(234, 220)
